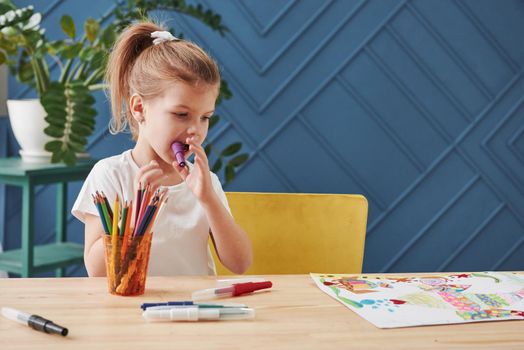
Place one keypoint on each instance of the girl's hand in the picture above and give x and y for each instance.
(151, 174)
(198, 179)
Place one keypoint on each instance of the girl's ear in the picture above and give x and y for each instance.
(136, 105)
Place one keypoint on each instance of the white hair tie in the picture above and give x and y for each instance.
(160, 37)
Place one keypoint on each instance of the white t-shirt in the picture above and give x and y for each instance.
(180, 234)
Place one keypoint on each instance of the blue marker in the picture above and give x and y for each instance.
(189, 303)
(174, 303)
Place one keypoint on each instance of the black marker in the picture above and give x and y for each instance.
(34, 321)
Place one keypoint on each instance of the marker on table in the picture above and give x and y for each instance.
(34, 321)
(169, 304)
(230, 281)
(231, 291)
(198, 314)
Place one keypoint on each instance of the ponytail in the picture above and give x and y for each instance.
(130, 44)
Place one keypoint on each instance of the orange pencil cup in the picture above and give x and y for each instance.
(127, 259)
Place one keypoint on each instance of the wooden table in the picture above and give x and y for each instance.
(293, 314)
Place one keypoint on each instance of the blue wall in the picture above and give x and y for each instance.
(417, 104)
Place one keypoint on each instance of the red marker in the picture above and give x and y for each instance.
(231, 291)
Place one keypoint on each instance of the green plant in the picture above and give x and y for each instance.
(68, 99)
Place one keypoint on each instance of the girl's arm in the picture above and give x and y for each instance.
(232, 243)
(94, 247)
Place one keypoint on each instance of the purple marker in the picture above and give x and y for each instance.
(178, 149)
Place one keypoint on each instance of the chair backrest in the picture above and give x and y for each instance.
(301, 233)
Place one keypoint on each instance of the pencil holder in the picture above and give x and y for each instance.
(127, 259)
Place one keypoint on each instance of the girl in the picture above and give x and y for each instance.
(165, 89)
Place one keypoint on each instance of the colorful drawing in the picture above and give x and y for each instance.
(400, 301)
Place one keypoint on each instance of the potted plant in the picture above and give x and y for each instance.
(66, 101)
(65, 105)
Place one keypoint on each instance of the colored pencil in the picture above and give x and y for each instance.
(123, 220)
(114, 238)
(106, 201)
(106, 214)
(101, 214)
(127, 225)
(138, 201)
(146, 218)
(143, 205)
(161, 206)
(114, 231)
(127, 231)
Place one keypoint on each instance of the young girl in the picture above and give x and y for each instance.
(165, 89)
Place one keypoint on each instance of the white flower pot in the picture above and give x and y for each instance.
(28, 124)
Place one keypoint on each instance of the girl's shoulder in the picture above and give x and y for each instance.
(113, 175)
(118, 169)
(119, 161)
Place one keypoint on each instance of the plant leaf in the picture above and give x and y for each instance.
(69, 157)
(54, 97)
(231, 149)
(230, 173)
(72, 51)
(55, 112)
(78, 139)
(6, 5)
(76, 147)
(25, 71)
(57, 156)
(81, 130)
(54, 121)
(68, 26)
(81, 98)
(108, 36)
(55, 47)
(54, 131)
(9, 32)
(84, 112)
(90, 122)
(87, 54)
(99, 59)
(91, 28)
(239, 160)
(208, 148)
(213, 121)
(217, 166)
(53, 146)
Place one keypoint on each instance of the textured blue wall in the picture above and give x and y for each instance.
(417, 104)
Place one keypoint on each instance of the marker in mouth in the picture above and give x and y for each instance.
(178, 149)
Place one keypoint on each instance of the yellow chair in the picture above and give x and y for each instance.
(301, 233)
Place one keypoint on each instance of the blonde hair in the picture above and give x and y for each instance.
(136, 65)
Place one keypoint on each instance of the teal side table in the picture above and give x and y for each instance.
(31, 259)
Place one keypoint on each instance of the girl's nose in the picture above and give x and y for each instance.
(191, 130)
